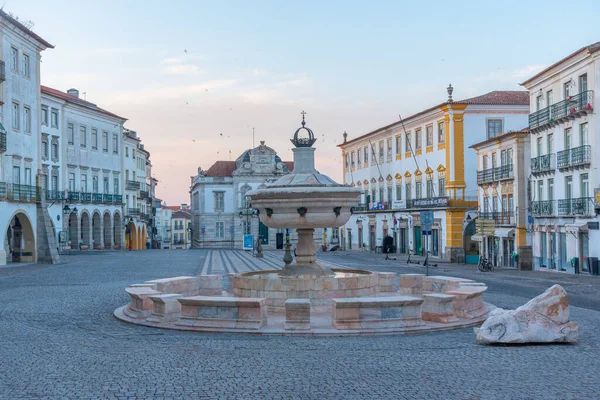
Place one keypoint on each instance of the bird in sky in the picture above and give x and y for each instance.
(184, 50)
(221, 134)
(194, 140)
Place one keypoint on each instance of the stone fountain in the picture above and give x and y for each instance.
(306, 296)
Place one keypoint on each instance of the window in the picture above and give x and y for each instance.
(418, 139)
(71, 133)
(398, 192)
(381, 150)
(381, 194)
(373, 198)
(45, 115)
(540, 190)
(45, 149)
(567, 89)
(584, 186)
(94, 139)
(485, 162)
(358, 157)
(569, 187)
(26, 119)
(407, 192)
(16, 175)
(429, 189)
(132, 153)
(54, 150)
(14, 59)
(366, 155)
(429, 134)
(54, 183)
(105, 141)
(16, 116)
(115, 185)
(583, 134)
(389, 195)
(352, 159)
(83, 187)
(486, 204)
(538, 102)
(568, 142)
(418, 189)
(95, 184)
(115, 144)
(494, 128)
(442, 186)
(407, 144)
(71, 181)
(219, 230)
(347, 161)
(28, 176)
(105, 184)
(441, 133)
(550, 144)
(398, 144)
(551, 189)
(503, 158)
(219, 201)
(126, 151)
(54, 118)
(26, 65)
(83, 136)
(389, 149)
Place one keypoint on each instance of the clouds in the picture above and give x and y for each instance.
(182, 69)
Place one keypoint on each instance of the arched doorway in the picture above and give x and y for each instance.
(97, 231)
(107, 231)
(85, 231)
(144, 238)
(73, 233)
(20, 239)
(471, 246)
(130, 236)
(138, 239)
(117, 231)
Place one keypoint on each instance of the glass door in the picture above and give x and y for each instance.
(544, 251)
(552, 251)
(585, 251)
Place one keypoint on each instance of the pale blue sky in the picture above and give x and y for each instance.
(351, 65)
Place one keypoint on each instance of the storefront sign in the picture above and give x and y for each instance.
(248, 242)
(433, 202)
(593, 225)
(398, 204)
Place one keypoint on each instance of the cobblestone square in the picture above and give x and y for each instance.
(60, 340)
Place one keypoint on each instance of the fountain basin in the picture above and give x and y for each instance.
(276, 289)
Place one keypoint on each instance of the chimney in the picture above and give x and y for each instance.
(73, 92)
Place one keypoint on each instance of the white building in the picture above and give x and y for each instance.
(419, 164)
(163, 225)
(84, 184)
(564, 166)
(19, 142)
(220, 213)
(181, 234)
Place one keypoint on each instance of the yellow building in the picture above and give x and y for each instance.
(419, 164)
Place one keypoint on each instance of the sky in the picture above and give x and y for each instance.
(194, 77)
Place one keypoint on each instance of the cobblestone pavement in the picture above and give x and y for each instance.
(60, 340)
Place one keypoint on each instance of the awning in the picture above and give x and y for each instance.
(577, 226)
(477, 238)
(505, 232)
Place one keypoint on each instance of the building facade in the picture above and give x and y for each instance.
(20, 167)
(221, 214)
(503, 180)
(419, 164)
(564, 143)
(181, 233)
(81, 169)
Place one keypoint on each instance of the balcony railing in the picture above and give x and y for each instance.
(579, 103)
(96, 197)
(575, 157)
(118, 198)
(542, 164)
(55, 195)
(133, 212)
(85, 197)
(2, 142)
(132, 185)
(499, 217)
(107, 198)
(542, 208)
(19, 193)
(495, 174)
(143, 194)
(423, 203)
(73, 196)
(582, 206)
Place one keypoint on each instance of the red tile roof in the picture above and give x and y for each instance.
(222, 169)
(181, 214)
(76, 100)
(592, 48)
(496, 97)
(22, 27)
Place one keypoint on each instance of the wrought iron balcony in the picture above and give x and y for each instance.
(20, 193)
(97, 197)
(576, 157)
(143, 194)
(543, 208)
(581, 207)
(55, 195)
(360, 207)
(132, 185)
(133, 212)
(503, 172)
(543, 164)
(499, 217)
(85, 197)
(118, 198)
(107, 198)
(73, 196)
(2, 142)
(485, 176)
(571, 107)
